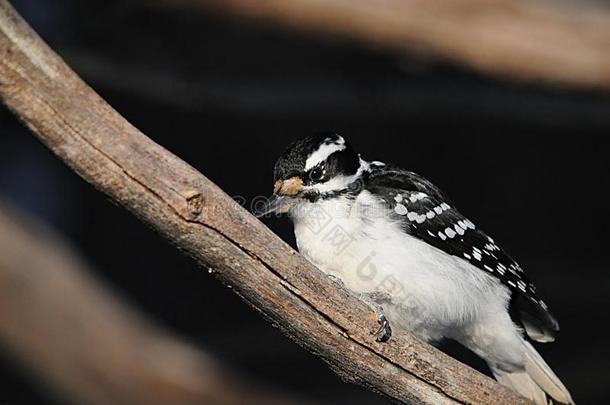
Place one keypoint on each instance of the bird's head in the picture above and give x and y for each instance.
(314, 167)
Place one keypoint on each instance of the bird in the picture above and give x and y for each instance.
(396, 240)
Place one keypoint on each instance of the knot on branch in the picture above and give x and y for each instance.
(195, 204)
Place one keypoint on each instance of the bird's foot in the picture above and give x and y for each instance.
(384, 332)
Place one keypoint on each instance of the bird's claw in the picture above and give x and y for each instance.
(384, 332)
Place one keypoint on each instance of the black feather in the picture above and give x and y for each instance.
(427, 214)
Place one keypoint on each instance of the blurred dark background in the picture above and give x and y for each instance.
(526, 162)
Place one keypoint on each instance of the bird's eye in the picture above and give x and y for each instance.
(316, 174)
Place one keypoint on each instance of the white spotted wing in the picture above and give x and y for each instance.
(427, 214)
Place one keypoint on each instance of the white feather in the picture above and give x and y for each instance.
(521, 382)
(431, 293)
(543, 376)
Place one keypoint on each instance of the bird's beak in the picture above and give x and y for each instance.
(276, 204)
(285, 196)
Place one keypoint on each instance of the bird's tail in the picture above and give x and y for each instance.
(537, 382)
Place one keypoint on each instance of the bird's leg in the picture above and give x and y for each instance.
(374, 299)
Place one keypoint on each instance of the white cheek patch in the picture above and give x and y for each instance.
(329, 147)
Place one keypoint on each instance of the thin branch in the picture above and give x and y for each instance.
(94, 349)
(199, 218)
(532, 40)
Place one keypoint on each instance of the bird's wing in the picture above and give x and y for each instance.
(427, 215)
(388, 176)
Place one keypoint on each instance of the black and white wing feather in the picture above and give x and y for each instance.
(428, 215)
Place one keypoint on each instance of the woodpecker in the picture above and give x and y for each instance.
(395, 239)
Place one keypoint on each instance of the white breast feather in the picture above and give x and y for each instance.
(433, 293)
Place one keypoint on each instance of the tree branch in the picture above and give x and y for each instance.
(531, 40)
(94, 350)
(199, 218)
